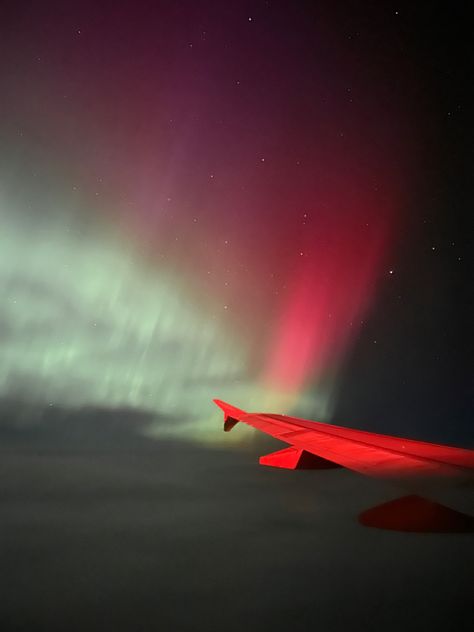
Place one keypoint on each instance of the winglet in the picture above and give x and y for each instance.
(232, 414)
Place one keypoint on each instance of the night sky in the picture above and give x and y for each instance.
(265, 202)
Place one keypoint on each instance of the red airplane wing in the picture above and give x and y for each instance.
(365, 452)
(315, 445)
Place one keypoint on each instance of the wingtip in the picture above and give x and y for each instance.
(232, 415)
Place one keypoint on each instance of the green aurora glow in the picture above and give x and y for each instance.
(86, 321)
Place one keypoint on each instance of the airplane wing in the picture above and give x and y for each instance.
(365, 452)
(315, 445)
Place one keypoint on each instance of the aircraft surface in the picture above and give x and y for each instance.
(430, 472)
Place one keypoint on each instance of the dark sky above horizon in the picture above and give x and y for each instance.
(265, 202)
(250, 201)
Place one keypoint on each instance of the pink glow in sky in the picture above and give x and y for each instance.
(269, 189)
(327, 300)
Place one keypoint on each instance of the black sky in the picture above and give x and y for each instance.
(423, 351)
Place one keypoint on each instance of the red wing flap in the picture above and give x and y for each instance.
(417, 515)
(296, 459)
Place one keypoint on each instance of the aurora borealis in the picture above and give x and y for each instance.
(181, 213)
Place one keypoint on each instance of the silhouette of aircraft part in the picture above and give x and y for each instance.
(404, 462)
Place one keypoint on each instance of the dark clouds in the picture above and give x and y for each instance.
(116, 532)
